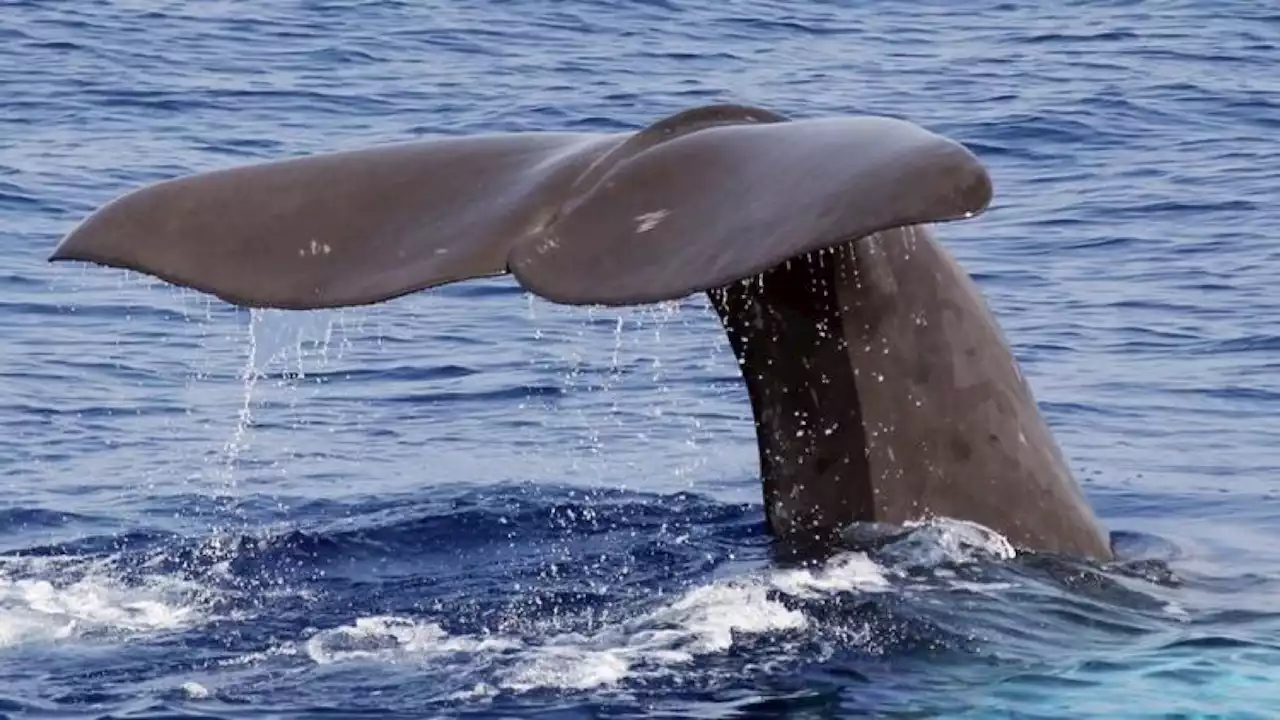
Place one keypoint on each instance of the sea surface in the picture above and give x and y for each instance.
(470, 502)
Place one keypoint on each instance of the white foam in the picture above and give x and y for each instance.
(940, 541)
(195, 690)
(705, 620)
(849, 571)
(708, 617)
(384, 637)
(569, 667)
(46, 609)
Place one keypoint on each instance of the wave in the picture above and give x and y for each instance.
(501, 595)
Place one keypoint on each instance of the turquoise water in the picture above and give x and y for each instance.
(470, 502)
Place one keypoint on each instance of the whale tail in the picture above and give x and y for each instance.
(882, 388)
(693, 202)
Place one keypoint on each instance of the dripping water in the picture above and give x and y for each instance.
(249, 376)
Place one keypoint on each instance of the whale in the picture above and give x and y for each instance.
(882, 388)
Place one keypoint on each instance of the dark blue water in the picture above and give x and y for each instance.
(470, 502)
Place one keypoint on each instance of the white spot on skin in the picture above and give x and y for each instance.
(550, 243)
(650, 220)
(315, 248)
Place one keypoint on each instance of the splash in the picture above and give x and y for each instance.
(60, 599)
(389, 637)
(946, 541)
(707, 620)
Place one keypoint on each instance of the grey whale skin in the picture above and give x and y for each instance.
(907, 402)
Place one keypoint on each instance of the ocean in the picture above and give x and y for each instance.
(471, 502)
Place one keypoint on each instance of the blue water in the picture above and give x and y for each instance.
(470, 502)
